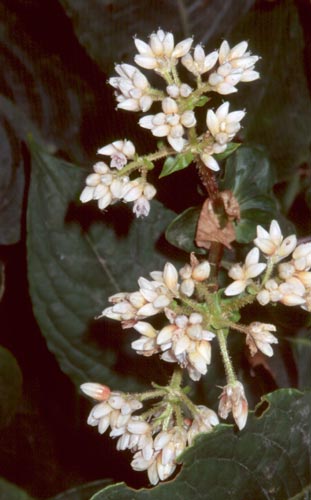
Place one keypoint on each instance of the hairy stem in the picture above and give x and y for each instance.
(231, 378)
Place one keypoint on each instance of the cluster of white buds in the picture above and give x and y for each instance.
(107, 185)
(170, 123)
(155, 448)
(292, 285)
(133, 89)
(176, 120)
(161, 54)
(183, 341)
(192, 274)
(151, 298)
(259, 337)
(235, 65)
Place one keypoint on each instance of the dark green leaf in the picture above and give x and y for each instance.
(82, 492)
(268, 460)
(11, 380)
(232, 146)
(38, 96)
(250, 177)
(175, 163)
(9, 491)
(181, 231)
(278, 105)
(301, 345)
(106, 29)
(76, 262)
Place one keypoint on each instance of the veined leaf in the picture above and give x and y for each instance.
(76, 262)
(268, 460)
(250, 177)
(181, 231)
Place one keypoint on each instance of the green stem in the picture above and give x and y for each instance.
(188, 403)
(175, 76)
(135, 164)
(176, 379)
(231, 378)
(178, 415)
(144, 396)
(269, 270)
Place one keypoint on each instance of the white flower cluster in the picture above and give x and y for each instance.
(274, 248)
(288, 283)
(106, 185)
(176, 121)
(235, 65)
(224, 68)
(155, 450)
(151, 298)
(259, 337)
(186, 339)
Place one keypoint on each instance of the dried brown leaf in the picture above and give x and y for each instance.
(215, 222)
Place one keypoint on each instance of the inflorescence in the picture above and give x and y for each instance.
(195, 312)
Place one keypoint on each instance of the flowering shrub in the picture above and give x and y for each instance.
(173, 285)
(196, 311)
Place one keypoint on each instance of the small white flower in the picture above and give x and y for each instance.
(204, 421)
(243, 274)
(232, 399)
(222, 124)
(96, 391)
(272, 243)
(302, 257)
(161, 53)
(259, 336)
(199, 63)
(119, 151)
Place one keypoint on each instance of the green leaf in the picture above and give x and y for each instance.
(232, 146)
(301, 345)
(268, 460)
(9, 491)
(11, 381)
(181, 231)
(82, 492)
(249, 176)
(77, 257)
(175, 163)
(38, 96)
(106, 29)
(202, 101)
(278, 105)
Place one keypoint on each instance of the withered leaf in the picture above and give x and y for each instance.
(215, 222)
